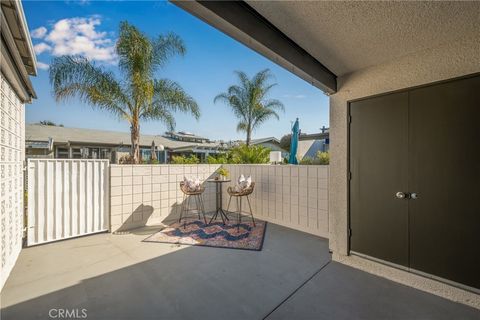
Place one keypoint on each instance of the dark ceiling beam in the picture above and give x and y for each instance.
(240, 21)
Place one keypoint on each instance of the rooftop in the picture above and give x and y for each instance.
(264, 140)
(184, 135)
(38, 132)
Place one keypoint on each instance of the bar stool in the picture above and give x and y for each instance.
(239, 195)
(187, 196)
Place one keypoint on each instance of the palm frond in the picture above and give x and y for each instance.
(167, 46)
(262, 116)
(73, 76)
(261, 77)
(242, 127)
(135, 51)
(274, 104)
(168, 97)
(161, 114)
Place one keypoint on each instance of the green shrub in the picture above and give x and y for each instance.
(181, 159)
(307, 161)
(242, 154)
(321, 158)
(250, 154)
(218, 159)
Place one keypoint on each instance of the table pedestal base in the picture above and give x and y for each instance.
(223, 215)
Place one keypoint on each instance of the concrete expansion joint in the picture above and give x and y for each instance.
(297, 289)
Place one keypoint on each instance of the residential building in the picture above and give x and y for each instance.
(310, 144)
(199, 146)
(185, 136)
(76, 143)
(272, 143)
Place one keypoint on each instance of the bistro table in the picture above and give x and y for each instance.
(219, 210)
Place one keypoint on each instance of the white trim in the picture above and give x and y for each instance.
(26, 33)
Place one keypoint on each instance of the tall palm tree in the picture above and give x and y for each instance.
(139, 95)
(249, 101)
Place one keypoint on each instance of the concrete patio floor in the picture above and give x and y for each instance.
(121, 277)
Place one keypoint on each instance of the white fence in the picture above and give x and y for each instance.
(67, 198)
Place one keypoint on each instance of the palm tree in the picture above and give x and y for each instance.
(139, 95)
(249, 101)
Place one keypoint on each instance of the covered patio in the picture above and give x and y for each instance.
(121, 277)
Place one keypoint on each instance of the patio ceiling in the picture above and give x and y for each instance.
(334, 38)
(240, 21)
(351, 35)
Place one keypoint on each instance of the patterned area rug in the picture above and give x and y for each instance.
(197, 233)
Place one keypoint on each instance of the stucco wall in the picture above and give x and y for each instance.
(12, 137)
(449, 61)
(452, 60)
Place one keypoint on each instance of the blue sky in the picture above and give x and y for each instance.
(91, 28)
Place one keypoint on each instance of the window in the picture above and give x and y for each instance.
(76, 153)
(104, 153)
(93, 153)
(62, 153)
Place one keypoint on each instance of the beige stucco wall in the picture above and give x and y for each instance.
(448, 61)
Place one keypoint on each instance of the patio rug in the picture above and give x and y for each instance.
(197, 233)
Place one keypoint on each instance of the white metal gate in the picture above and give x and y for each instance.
(67, 198)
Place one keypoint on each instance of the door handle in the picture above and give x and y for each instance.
(401, 195)
(406, 195)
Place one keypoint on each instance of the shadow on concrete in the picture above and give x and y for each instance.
(292, 278)
(188, 283)
(139, 217)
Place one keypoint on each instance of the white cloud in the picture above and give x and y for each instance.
(42, 66)
(294, 96)
(39, 33)
(41, 47)
(80, 36)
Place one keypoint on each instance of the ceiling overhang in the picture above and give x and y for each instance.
(240, 21)
(17, 54)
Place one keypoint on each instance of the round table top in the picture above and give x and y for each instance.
(219, 181)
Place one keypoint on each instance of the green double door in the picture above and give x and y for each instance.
(415, 179)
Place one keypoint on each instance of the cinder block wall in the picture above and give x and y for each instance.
(12, 155)
(291, 196)
(148, 194)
